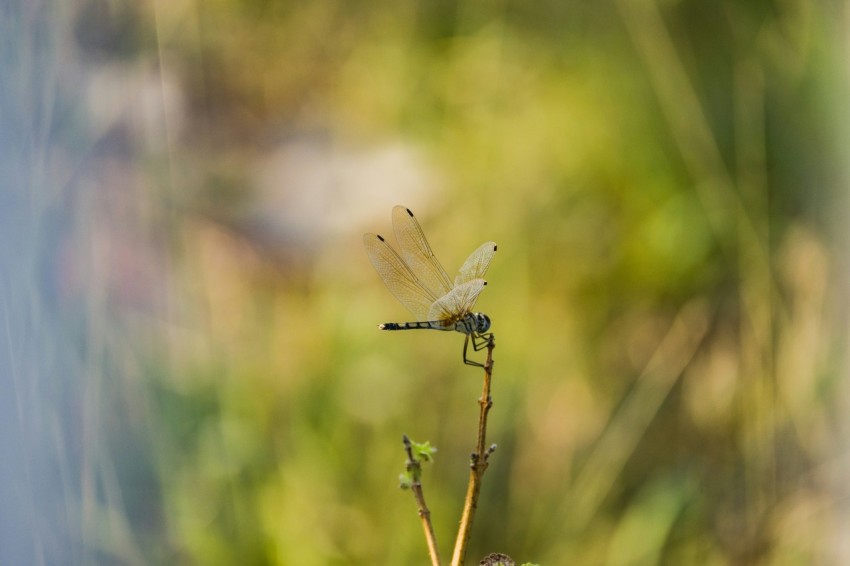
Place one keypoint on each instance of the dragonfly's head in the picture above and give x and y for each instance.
(482, 322)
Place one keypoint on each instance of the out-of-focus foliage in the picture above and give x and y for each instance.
(190, 367)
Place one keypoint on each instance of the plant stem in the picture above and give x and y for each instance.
(419, 495)
(479, 463)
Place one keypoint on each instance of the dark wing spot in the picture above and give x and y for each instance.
(381, 238)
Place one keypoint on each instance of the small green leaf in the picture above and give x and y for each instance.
(423, 451)
(405, 480)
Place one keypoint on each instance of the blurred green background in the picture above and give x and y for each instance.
(191, 372)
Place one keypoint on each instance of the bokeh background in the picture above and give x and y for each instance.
(190, 368)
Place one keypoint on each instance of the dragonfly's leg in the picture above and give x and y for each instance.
(466, 360)
(481, 341)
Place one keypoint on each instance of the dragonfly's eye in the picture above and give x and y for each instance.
(483, 322)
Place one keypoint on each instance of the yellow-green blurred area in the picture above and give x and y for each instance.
(190, 366)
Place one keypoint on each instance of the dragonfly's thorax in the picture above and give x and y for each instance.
(473, 323)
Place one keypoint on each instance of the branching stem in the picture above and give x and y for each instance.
(479, 463)
(414, 467)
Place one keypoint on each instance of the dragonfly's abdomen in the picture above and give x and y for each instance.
(427, 325)
(472, 323)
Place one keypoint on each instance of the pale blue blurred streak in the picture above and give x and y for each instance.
(35, 370)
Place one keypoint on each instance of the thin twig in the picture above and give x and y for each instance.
(479, 463)
(414, 467)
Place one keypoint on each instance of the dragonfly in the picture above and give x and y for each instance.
(417, 279)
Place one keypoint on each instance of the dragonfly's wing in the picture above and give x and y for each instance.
(397, 276)
(417, 253)
(477, 263)
(457, 302)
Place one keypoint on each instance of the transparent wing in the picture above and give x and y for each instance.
(417, 253)
(476, 264)
(457, 302)
(398, 277)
